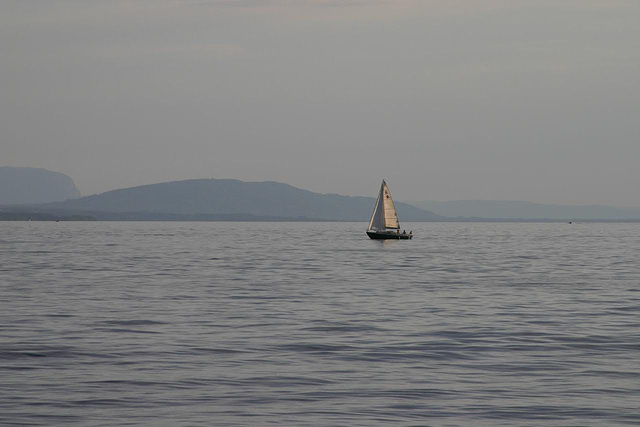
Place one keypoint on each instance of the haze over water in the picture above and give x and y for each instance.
(314, 324)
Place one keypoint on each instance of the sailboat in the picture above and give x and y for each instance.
(384, 222)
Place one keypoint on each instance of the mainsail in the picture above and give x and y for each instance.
(384, 213)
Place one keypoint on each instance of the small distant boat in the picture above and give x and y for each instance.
(384, 222)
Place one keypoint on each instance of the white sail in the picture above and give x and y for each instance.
(390, 214)
(384, 214)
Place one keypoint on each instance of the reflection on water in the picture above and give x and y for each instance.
(316, 324)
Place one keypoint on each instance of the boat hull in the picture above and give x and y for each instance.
(379, 235)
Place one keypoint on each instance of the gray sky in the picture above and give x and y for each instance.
(479, 99)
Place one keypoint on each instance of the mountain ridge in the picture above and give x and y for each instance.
(212, 199)
(265, 199)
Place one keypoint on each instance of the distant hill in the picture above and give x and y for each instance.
(508, 209)
(33, 185)
(229, 199)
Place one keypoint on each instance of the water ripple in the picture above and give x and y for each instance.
(241, 324)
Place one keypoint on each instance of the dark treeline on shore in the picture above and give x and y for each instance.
(42, 216)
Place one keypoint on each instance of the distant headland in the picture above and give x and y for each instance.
(34, 185)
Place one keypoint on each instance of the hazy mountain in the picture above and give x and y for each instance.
(33, 185)
(509, 209)
(226, 198)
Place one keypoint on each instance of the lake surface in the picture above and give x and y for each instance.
(253, 324)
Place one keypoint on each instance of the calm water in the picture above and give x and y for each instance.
(237, 324)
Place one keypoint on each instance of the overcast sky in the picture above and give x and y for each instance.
(480, 99)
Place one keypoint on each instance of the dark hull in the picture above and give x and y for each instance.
(388, 235)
